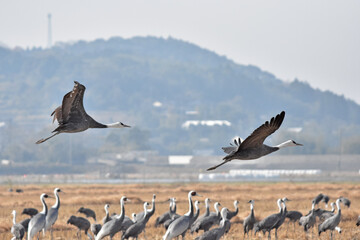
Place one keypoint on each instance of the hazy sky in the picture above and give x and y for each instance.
(314, 41)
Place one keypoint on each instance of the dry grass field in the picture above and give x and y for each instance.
(264, 194)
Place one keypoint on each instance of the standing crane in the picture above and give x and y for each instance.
(53, 213)
(37, 223)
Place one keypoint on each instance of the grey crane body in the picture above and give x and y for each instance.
(53, 212)
(114, 225)
(326, 214)
(167, 215)
(198, 221)
(332, 222)
(126, 223)
(293, 216)
(81, 223)
(37, 222)
(72, 116)
(134, 230)
(195, 216)
(283, 216)
(95, 228)
(17, 230)
(25, 223)
(309, 220)
(88, 212)
(250, 220)
(217, 233)
(252, 147)
(30, 211)
(168, 222)
(181, 224)
(207, 222)
(267, 224)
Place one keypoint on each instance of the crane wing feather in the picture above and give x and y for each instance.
(259, 135)
(72, 104)
(57, 113)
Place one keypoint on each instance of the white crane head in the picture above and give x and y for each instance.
(289, 143)
(216, 206)
(251, 201)
(13, 212)
(285, 199)
(236, 203)
(117, 125)
(44, 195)
(197, 204)
(57, 190)
(124, 199)
(193, 193)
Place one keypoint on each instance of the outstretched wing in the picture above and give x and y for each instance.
(261, 133)
(72, 105)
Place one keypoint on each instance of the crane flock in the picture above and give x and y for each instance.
(72, 117)
(213, 225)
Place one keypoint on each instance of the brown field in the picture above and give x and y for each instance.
(264, 194)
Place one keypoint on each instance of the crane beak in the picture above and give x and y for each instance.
(299, 144)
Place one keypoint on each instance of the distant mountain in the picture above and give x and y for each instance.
(124, 77)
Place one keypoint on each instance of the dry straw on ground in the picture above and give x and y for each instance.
(264, 194)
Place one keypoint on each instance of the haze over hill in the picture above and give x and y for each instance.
(124, 77)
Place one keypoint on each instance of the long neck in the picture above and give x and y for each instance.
(207, 207)
(285, 210)
(197, 211)
(332, 208)
(45, 209)
(111, 125)
(95, 124)
(145, 211)
(106, 212)
(313, 207)
(217, 209)
(122, 213)
(338, 207)
(191, 207)
(285, 144)
(279, 205)
(252, 208)
(236, 208)
(174, 207)
(14, 218)
(152, 210)
(171, 207)
(57, 203)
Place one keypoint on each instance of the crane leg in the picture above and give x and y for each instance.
(43, 140)
(294, 227)
(287, 228)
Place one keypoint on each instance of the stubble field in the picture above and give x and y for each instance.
(264, 194)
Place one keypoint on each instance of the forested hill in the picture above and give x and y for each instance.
(128, 75)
